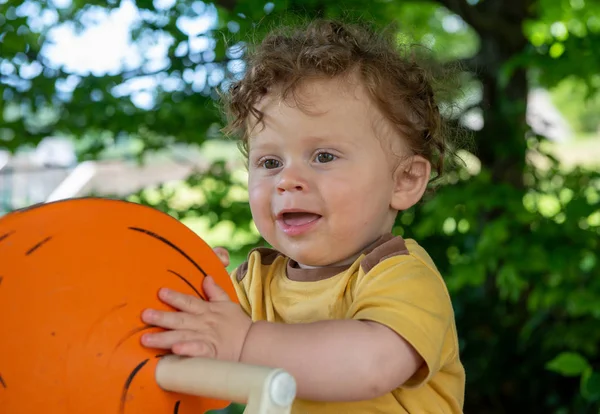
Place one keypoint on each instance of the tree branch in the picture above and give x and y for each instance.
(485, 22)
(226, 4)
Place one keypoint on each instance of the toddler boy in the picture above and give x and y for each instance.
(341, 133)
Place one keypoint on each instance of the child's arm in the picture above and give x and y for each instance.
(338, 360)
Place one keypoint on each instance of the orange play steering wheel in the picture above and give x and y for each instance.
(75, 276)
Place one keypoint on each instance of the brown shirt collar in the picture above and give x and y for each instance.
(294, 272)
(384, 247)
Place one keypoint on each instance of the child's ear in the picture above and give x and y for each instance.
(411, 178)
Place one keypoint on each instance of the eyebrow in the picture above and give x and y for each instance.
(317, 139)
(260, 150)
(311, 139)
(330, 141)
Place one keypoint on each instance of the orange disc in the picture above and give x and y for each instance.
(75, 276)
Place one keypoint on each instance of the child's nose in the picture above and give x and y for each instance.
(291, 179)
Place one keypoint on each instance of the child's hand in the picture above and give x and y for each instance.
(223, 255)
(215, 328)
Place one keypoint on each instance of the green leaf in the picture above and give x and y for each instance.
(569, 364)
(590, 385)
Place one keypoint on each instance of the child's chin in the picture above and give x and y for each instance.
(309, 260)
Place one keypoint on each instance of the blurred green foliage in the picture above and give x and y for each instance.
(515, 234)
(579, 105)
(526, 286)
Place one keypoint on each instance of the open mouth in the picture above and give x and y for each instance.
(299, 218)
(295, 223)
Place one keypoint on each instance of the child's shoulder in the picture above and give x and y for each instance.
(259, 255)
(386, 247)
(389, 247)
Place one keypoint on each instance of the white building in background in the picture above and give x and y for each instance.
(51, 172)
(545, 119)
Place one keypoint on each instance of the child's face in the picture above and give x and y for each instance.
(321, 177)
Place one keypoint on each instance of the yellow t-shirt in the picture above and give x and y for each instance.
(394, 283)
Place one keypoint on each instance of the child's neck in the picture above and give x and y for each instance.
(344, 262)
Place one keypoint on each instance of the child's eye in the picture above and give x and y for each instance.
(270, 163)
(323, 157)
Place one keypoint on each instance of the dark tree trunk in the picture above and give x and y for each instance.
(501, 144)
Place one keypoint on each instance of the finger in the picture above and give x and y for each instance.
(196, 348)
(166, 339)
(214, 291)
(223, 255)
(186, 303)
(168, 320)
